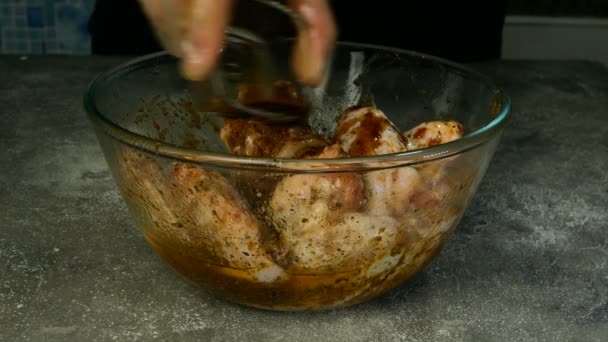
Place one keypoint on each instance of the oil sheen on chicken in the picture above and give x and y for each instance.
(302, 241)
(196, 209)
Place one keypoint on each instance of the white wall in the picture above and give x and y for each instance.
(526, 37)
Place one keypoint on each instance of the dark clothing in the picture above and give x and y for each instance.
(463, 31)
(119, 27)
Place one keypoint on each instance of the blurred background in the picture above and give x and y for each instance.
(45, 26)
(530, 29)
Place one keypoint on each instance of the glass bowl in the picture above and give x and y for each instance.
(285, 233)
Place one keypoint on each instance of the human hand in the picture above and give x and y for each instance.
(193, 30)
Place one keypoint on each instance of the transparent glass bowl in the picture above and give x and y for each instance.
(264, 232)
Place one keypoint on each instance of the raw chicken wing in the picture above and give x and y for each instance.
(366, 131)
(199, 210)
(258, 139)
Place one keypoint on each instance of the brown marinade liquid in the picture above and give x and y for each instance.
(298, 292)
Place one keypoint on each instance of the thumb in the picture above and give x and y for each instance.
(313, 44)
(205, 38)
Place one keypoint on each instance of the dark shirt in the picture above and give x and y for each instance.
(463, 31)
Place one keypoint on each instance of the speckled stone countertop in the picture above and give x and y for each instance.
(529, 261)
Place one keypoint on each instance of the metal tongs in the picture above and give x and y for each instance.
(250, 81)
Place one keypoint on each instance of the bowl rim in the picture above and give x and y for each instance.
(171, 151)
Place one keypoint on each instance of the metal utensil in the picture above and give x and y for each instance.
(248, 82)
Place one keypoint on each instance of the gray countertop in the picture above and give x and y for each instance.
(529, 261)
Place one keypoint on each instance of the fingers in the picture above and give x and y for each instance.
(192, 30)
(205, 38)
(314, 45)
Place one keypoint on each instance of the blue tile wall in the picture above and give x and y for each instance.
(45, 26)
